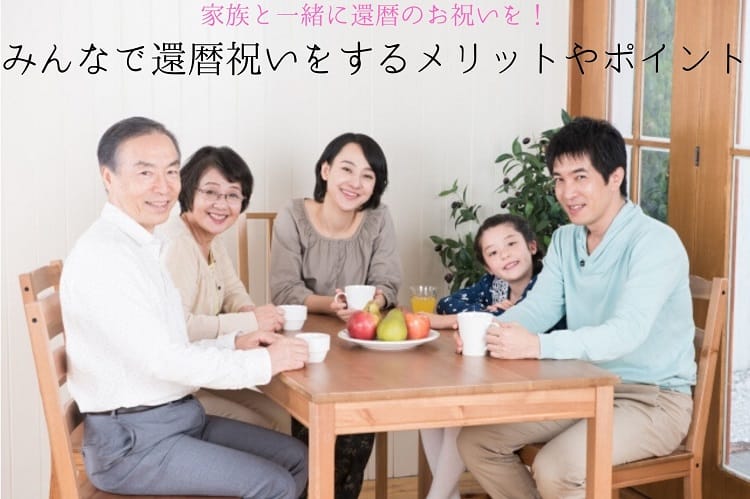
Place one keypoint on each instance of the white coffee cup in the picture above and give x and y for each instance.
(472, 327)
(318, 345)
(357, 296)
(294, 316)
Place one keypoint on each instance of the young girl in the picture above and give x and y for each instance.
(508, 249)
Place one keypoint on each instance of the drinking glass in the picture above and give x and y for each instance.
(423, 298)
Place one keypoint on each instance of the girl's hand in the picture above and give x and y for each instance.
(501, 305)
(438, 321)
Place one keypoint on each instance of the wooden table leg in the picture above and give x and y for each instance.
(321, 452)
(599, 446)
(381, 465)
(424, 476)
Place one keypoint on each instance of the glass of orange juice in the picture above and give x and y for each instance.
(423, 298)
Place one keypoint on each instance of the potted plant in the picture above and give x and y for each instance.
(528, 191)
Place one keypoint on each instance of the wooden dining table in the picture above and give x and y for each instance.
(360, 390)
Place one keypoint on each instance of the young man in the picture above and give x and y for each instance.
(132, 367)
(621, 279)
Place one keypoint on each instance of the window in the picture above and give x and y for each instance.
(640, 98)
(737, 421)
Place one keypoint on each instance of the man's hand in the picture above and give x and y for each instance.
(255, 339)
(287, 354)
(510, 340)
(269, 317)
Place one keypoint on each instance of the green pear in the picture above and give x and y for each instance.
(392, 327)
(372, 307)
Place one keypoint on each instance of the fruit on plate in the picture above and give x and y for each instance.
(392, 327)
(362, 325)
(373, 307)
(417, 326)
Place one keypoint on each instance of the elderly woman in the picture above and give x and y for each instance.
(342, 236)
(216, 188)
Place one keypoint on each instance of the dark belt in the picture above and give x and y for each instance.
(138, 408)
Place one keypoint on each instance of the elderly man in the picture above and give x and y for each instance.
(132, 367)
(621, 279)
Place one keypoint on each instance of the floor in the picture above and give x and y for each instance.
(406, 488)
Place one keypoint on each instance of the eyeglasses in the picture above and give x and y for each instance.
(215, 196)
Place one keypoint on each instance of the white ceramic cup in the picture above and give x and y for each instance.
(318, 345)
(357, 295)
(472, 327)
(294, 316)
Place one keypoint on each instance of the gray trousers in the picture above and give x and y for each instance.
(176, 449)
(647, 422)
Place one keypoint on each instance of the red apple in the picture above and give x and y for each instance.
(417, 326)
(361, 325)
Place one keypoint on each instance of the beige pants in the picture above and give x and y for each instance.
(647, 422)
(248, 406)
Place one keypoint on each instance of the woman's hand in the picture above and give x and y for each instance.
(341, 309)
(269, 317)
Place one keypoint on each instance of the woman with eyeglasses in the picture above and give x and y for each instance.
(216, 188)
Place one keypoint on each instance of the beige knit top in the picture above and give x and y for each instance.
(303, 262)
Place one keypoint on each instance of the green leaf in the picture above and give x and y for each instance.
(516, 147)
(503, 157)
(528, 209)
(450, 191)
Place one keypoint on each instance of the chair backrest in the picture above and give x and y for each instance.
(40, 291)
(243, 266)
(707, 343)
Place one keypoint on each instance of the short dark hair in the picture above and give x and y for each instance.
(126, 129)
(522, 226)
(231, 166)
(597, 139)
(374, 156)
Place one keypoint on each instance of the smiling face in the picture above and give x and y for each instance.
(145, 182)
(216, 205)
(584, 195)
(350, 179)
(507, 255)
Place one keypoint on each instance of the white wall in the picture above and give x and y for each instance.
(434, 126)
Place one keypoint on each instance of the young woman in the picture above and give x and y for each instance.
(508, 249)
(216, 188)
(342, 236)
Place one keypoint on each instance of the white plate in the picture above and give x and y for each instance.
(388, 345)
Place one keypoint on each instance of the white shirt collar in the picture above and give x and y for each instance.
(131, 228)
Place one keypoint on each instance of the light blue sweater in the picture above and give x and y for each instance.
(628, 304)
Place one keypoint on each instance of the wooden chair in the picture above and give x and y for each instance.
(243, 266)
(687, 461)
(41, 299)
